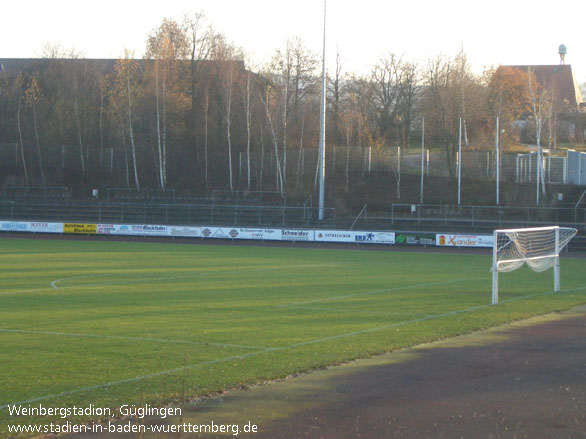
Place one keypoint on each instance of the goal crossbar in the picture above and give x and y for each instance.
(538, 247)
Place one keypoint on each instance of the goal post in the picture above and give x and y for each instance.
(538, 247)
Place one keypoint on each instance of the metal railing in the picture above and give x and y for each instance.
(248, 197)
(129, 195)
(484, 216)
(177, 214)
(25, 194)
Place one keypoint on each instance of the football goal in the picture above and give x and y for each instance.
(537, 247)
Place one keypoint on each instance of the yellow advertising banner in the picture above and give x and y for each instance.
(80, 228)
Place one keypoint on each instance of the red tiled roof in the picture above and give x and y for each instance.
(560, 80)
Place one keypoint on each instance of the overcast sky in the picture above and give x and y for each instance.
(499, 32)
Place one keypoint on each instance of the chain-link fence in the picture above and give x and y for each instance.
(291, 165)
(300, 164)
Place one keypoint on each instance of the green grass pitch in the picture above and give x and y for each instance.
(111, 323)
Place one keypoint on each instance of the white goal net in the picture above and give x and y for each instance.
(538, 247)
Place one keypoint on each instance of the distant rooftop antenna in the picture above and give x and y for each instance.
(562, 51)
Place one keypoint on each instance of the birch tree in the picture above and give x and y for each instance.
(248, 127)
(22, 156)
(200, 38)
(539, 101)
(32, 97)
(126, 90)
(335, 89)
(268, 102)
(167, 46)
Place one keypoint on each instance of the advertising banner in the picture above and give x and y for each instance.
(446, 240)
(148, 230)
(297, 235)
(218, 232)
(41, 227)
(246, 233)
(107, 229)
(139, 230)
(271, 234)
(122, 229)
(34, 227)
(88, 229)
(415, 238)
(334, 236)
(241, 233)
(184, 231)
(352, 236)
(374, 237)
(14, 226)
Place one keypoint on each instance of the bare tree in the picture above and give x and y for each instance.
(335, 90)
(32, 96)
(228, 86)
(167, 45)
(387, 77)
(125, 88)
(22, 156)
(407, 101)
(266, 102)
(293, 77)
(539, 101)
(206, 161)
(248, 134)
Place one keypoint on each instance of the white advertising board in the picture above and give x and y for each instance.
(241, 233)
(217, 232)
(297, 235)
(249, 233)
(447, 240)
(139, 230)
(334, 236)
(374, 237)
(33, 227)
(107, 229)
(352, 236)
(184, 231)
(42, 227)
(14, 226)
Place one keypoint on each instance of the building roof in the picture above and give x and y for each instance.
(560, 80)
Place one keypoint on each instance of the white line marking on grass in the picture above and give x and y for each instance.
(84, 276)
(53, 284)
(370, 293)
(295, 345)
(123, 337)
(214, 273)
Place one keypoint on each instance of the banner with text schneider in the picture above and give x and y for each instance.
(357, 237)
(260, 234)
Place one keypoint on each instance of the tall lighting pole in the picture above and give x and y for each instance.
(322, 127)
(498, 165)
(422, 158)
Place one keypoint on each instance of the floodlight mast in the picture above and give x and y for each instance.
(322, 127)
